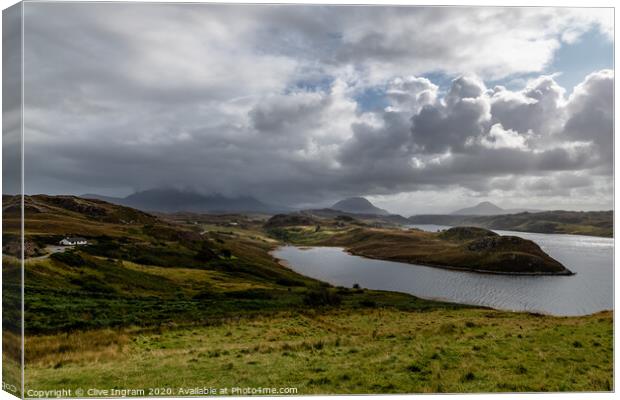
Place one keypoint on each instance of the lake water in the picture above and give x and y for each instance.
(587, 292)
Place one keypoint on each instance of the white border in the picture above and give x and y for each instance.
(522, 3)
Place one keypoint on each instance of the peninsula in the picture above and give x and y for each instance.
(461, 248)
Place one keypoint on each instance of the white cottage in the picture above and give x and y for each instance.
(73, 241)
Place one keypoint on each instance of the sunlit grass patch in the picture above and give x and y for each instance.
(366, 351)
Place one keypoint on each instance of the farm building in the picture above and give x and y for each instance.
(73, 241)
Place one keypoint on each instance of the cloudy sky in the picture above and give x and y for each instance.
(420, 109)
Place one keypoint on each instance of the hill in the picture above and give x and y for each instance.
(484, 208)
(488, 208)
(373, 219)
(145, 270)
(594, 223)
(173, 200)
(464, 248)
(358, 205)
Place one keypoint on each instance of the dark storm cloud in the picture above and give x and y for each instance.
(278, 113)
(122, 97)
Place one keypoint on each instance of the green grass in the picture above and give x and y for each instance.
(303, 235)
(78, 291)
(365, 351)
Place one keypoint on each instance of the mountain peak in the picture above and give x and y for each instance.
(358, 205)
(482, 208)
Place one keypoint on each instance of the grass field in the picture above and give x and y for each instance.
(332, 351)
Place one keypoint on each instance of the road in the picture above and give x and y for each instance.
(49, 251)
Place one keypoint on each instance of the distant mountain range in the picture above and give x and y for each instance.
(594, 223)
(488, 208)
(174, 200)
(358, 205)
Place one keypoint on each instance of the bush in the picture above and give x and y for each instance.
(368, 303)
(322, 297)
(468, 377)
(69, 258)
(250, 294)
(414, 368)
(92, 284)
(205, 253)
(289, 282)
(206, 294)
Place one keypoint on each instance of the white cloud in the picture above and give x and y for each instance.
(410, 94)
(589, 111)
(499, 137)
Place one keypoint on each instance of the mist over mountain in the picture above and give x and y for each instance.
(484, 208)
(174, 200)
(358, 205)
(488, 208)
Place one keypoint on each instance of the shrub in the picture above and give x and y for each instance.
(205, 294)
(250, 294)
(414, 368)
(205, 253)
(69, 258)
(322, 297)
(368, 303)
(469, 377)
(92, 284)
(289, 282)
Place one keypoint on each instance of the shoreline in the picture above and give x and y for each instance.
(439, 266)
(538, 311)
(459, 269)
(414, 226)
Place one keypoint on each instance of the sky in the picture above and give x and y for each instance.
(419, 109)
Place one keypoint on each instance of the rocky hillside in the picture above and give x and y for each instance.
(358, 205)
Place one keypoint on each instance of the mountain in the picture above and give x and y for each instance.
(488, 208)
(173, 200)
(358, 205)
(484, 208)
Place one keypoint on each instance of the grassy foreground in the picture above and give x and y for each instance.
(366, 351)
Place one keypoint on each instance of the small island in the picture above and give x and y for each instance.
(461, 248)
